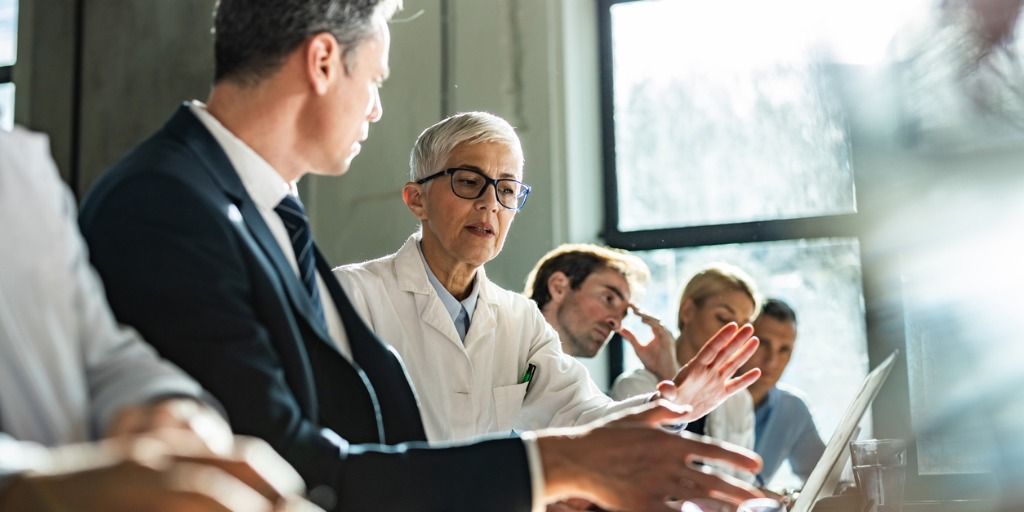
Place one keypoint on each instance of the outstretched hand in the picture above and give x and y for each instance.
(707, 380)
(628, 463)
(657, 355)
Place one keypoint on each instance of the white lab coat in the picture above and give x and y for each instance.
(473, 388)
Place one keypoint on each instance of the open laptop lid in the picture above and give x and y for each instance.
(825, 477)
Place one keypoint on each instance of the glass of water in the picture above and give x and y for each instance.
(880, 467)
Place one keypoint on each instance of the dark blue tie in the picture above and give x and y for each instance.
(297, 223)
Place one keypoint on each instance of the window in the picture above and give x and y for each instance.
(820, 279)
(691, 123)
(812, 143)
(773, 135)
(721, 138)
(8, 56)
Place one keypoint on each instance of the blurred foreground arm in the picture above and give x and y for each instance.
(168, 471)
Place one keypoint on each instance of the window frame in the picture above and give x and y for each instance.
(884, 317)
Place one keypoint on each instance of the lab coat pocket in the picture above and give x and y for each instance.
(508, 400)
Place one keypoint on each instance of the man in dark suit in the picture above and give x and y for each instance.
(204, 247)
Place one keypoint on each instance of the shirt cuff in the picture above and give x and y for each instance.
(533, 461)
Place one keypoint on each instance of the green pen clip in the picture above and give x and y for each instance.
(527, 379)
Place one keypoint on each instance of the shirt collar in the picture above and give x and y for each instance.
(261, 181)
(451, 304)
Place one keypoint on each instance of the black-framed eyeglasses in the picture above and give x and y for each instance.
(471, 184)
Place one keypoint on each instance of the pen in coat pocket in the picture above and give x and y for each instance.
(531, 372)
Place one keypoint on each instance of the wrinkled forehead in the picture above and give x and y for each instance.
(608, 278)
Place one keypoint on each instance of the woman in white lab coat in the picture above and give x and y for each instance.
(482, 359)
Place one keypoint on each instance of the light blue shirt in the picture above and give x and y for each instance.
(784, 430)
(461, 312)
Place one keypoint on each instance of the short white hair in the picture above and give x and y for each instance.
(436, 143)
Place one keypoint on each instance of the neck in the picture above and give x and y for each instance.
(759, 395)
(265, 122)
(550, 313)
(455, 276)
(685, 349)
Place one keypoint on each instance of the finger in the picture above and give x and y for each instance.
(743, 381)
(216, 489)
(733, 363)
(702, 448)
(127, 422)
(709, 351)
(630, 337)
(654, 414)
(296, 504)
(732, 345)
(712, 483)
(668, 390)
(268, 463)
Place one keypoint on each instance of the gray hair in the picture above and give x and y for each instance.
(435, 144)
(252, 37)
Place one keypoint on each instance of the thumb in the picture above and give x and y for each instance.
(658, 413)
(668, 390)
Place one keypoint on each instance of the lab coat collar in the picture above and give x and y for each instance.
(412, 277)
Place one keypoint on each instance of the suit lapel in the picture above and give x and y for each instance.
(192, 132)
(388, 381)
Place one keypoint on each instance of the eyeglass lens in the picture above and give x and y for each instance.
(470, 185)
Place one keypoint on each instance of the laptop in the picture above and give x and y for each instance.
(825, 476)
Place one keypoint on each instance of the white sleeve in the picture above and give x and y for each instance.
(638, 382)
(562, 393)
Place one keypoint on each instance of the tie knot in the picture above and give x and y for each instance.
(291, 211)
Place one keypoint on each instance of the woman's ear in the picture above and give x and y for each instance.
(686, 311)
(414, 197)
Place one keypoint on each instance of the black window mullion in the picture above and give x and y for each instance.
(743, 232)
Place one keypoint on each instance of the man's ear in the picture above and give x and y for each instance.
(413, 195)
(558, 286)
(686, 312)
(323, 61)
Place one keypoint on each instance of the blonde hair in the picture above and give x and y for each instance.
(717, 278)
(577, 261)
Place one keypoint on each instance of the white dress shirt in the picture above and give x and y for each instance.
(66, 366)
(267, 188)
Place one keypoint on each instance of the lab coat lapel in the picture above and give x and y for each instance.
(412, 278)
(485, 317)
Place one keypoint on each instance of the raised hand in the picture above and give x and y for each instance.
(659, 354)
(705, 381)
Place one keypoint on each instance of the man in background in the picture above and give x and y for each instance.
(585, 291)
(784, 428)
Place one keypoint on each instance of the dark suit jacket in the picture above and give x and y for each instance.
(187, 260)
